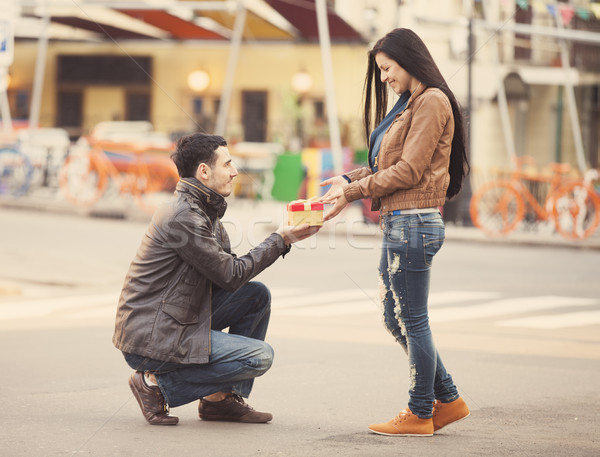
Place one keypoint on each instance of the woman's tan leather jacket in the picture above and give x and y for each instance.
(413, 157)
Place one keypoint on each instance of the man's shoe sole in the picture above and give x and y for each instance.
(205, 417)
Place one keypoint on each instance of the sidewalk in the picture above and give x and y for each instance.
(271, 213)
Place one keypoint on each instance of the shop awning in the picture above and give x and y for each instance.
(266, 20)
(177, 27)
(302, 15)
(109, 31)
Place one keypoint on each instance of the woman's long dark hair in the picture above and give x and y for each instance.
(408, 50)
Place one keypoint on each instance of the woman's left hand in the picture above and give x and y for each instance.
(339, 205)
(337, 188)
(334, 195)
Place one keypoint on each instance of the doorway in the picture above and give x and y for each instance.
(254, 115)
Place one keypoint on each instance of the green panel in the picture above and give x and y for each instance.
(288, 174)
(361, 156)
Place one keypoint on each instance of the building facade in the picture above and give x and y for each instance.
(519, 92)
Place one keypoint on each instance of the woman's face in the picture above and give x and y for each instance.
(397, 77)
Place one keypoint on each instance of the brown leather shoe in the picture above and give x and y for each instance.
(448, 413)
(232, 409)
(151, 401)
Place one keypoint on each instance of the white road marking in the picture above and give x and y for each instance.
(555, 321)
(300, 302)
(324, 298)
(358, 301)
(459, 296)
(505, 307)
(364, 306)
(24, 309)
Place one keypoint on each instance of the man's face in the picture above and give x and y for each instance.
(220, 176)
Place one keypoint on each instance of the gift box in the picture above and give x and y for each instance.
(305, 212)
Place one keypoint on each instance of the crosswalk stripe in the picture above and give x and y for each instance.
(43, 307)
(555, 321)
(507, 306)
(335, 309)
(459, 296)
(323, 298)
(301, 302)
(352, 302)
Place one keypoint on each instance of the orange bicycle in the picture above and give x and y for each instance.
(87, 174)
(499, 206)
(576, 208)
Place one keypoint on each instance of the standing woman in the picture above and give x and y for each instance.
(417, 159)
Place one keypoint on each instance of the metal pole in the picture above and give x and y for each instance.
(570, 91)
(8, 14)
(559, 125)
(334, 128)
(509, 141)
(234, 53)
(5, 109)
(40, 66)
(582, 36)
(470, 87)
(464, 197)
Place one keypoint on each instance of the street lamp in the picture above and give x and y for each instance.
(198, 80)
(302, 82)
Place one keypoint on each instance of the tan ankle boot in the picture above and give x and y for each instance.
(404, 424)
(447, 413)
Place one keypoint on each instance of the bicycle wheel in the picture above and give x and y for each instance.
(15, 172)
(82, 180)
(576, 210)
(497, 208)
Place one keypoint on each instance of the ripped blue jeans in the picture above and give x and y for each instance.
(409, 244)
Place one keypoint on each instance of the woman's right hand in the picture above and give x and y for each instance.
(335, 191)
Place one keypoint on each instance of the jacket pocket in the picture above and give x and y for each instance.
(180, 291)
(396, 135)
(184, 315)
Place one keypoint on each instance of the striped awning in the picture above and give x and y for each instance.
(302, 15)
(266, 20)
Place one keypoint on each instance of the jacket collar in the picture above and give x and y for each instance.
(213, 202)
(418, 91)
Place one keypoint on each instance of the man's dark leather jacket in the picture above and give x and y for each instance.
(164, 311)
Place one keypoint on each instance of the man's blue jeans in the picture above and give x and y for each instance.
(236, 357)
(409, 245)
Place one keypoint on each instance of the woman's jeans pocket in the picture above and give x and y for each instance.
(432, 235)
(426, 234)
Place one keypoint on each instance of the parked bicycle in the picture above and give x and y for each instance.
(89, 172)
(32, 160)
(16, 172)
(499, 206)
(577, 207)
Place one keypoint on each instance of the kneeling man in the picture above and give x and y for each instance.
(185, 286)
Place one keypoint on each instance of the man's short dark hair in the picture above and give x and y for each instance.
(192, 150)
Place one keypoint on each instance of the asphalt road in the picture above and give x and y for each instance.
(518, 328)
